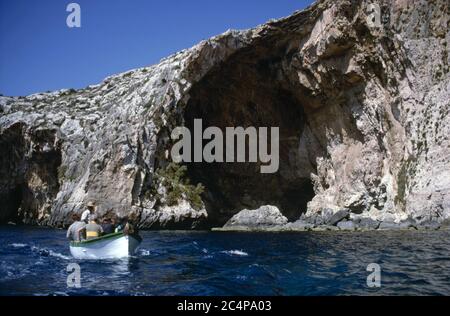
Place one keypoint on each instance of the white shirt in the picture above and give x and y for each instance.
(85, 216)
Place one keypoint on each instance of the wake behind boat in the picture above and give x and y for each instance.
(112, 246)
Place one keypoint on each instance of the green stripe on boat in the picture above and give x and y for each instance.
(91, 241)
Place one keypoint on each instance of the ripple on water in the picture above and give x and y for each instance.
(33, 262)
(235, 253)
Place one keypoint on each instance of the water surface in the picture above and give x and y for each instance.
(33, 261)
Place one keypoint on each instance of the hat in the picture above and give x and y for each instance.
(90, 204)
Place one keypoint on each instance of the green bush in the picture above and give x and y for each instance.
(174, 179)
(62, 172)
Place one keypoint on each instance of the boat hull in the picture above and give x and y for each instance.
(119, 246)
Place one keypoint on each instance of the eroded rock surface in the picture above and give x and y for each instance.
(363, 111)
(265, 216)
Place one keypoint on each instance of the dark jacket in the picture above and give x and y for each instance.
(108, 228)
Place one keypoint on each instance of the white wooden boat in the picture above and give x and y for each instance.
(117, 245)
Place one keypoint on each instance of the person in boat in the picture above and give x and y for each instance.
(73, 233)
(90, 209)
(130, 228)
(107, 226)
(121, 225)
(125, 226)
(114, 222)
(93, 229)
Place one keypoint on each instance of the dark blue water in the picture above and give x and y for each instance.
(33, 261)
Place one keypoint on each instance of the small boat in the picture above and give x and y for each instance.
(116, 245)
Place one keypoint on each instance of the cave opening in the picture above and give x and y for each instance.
(12, 147)
(29, 174)
(246, 91)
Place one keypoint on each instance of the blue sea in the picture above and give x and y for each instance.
(33, 261)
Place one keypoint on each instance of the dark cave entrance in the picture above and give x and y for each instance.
(12, 147)
(28, 174)
(246, 92)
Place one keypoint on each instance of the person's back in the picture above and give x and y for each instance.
(114, 223)
(107, 227)
(128, 229)
(93, 230)
(73, 230)
(122, 223)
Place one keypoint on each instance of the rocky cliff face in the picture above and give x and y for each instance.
(363, 111)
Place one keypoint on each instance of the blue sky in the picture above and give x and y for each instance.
(38, 52)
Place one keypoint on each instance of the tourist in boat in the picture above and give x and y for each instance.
(90, 209)
(107, 226)
(73, 233)
(122, 224)
(93, 229)
(114, 222)
(125, 226)
(120, 245)
(130, 227)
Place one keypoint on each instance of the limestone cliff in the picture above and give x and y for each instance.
(363, 111)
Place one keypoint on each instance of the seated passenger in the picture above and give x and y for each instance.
(114, 222)
(122, 223)
(128, 228)
(131, 229)
(107, 226)
(93, 229)
(73, 233)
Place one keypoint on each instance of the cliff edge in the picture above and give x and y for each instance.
(360, 93)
